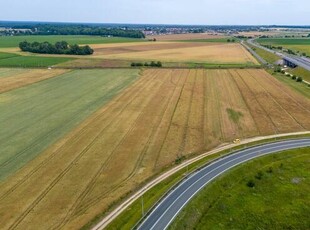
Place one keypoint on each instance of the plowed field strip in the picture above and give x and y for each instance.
(246, 123)
(295, 109)
(272, 108)
(194, 141)
(294, 123)
(256, 111)
(185, 75)
(213, 127)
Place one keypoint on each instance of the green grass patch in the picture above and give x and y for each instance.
(32, 61)
(301, 72)
(271, 192)
(298, 45)
(234, 115)
(13, 41)
(36, 116)
(7, 55)
(267, 56)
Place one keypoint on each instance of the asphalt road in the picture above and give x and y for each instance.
(300, 61)
(164, 213)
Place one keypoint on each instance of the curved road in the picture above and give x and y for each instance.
(164, 213)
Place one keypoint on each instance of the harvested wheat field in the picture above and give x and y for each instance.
(203, 52)
(192, 36)
(15, 78)
(165, 114)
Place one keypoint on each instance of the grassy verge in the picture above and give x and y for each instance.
(31, 61)
(267, 56)
(301, 72)
(272, 192)
(128, 218)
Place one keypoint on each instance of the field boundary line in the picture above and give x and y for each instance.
(112, 215)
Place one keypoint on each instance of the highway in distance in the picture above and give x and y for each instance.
(167, 209)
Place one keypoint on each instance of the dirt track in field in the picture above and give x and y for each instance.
(164, 115)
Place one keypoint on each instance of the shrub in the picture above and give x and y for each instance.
(294, 77)
(299, 79)
(250, 184)
(259, 175)
(269, 170)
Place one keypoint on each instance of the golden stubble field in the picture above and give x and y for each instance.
(164, 115)
(202, 52)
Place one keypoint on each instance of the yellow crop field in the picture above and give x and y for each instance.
(191, 36)
(202, 52)
(25, 77)
(162, 116)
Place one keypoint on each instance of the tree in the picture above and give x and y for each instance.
(57, 48)
(299, 79)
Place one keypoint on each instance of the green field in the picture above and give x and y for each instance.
(32, 61)
(298, 45)
(6, 42)
(34, 117)
(272, 192)
(284, 41)
(7, 55)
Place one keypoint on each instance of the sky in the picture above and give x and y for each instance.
(193, 12)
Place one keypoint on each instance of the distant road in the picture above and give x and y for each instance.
(164, 213)
(259, 58)
(300, 61)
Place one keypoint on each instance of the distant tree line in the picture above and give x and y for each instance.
(67, 29)
(58, 48)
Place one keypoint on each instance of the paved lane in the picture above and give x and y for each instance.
(164, 213)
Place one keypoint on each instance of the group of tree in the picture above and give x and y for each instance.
(74, 29)
(151, 64)
(231, 40)
(58, 48)
(278, 69)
